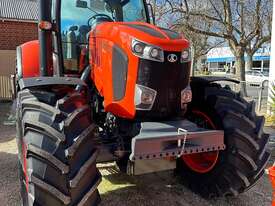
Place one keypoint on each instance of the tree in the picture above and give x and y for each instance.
(262, 17)
(201, 44)
(228, 19)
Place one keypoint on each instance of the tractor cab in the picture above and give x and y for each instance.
(78, 18)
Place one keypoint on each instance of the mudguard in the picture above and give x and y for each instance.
(27, 56)
(211, 79)
(48, 81)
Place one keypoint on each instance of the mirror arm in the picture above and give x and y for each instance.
(152, 12)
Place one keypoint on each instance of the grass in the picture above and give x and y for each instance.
(112, 179)
(270, 119)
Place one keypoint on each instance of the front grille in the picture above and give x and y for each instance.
(168, 79)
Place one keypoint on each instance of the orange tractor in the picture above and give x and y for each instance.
(104, 84)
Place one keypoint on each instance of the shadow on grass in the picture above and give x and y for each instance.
(164, 189)
(7, 122)
(7, 133)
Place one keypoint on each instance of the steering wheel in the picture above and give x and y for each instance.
(98, 15)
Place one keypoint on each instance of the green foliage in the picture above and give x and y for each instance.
(202, 73)
(271, 119)
(272, 96)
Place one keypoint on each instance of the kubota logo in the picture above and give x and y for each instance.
(172, 58)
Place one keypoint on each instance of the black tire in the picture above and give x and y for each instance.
(243, 161)
(57, 151)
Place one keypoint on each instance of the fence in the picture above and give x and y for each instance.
(262, 100)
(7, 67)
(5, 88)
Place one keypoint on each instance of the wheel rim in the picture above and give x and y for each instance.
(206, 161)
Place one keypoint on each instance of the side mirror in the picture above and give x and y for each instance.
(81, 4)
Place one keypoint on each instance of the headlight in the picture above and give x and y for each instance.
(185, 56)
(186, 96)
(146, 51)
(144, 97)
(138, 48)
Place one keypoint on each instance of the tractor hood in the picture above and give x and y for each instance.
(125, 32)
(118, 68)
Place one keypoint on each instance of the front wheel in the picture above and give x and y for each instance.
(242, 163)
(57, 151)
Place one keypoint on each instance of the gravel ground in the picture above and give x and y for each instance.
(119, 189)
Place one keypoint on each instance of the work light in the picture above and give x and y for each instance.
(186, 95)
(144, 97)
(185, 55)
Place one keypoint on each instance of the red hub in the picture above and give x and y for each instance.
(206, 161)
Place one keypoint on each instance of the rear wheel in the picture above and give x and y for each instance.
(242, 163)
(57, 151)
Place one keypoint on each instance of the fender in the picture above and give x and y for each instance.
(25, 83)
(210, 79)
(27, 56)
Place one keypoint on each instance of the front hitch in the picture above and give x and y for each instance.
(159, 142)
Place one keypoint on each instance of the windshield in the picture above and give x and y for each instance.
(75, 24)
(134, 10)
(71, 15)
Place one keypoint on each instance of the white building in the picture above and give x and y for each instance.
(222, 57)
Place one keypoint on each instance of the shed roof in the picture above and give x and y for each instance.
(19, 10)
